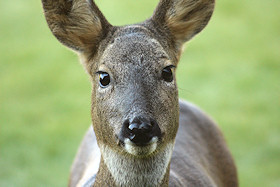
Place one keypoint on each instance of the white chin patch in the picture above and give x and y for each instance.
(133, 149)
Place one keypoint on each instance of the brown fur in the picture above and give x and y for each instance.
(134, 57)
(184, 19)
(77, 24)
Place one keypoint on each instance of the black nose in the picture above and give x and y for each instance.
(140, 130)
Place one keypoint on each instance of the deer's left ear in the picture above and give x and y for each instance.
(78, 24)
(183, 18)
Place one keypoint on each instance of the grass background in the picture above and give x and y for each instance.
(231, 70)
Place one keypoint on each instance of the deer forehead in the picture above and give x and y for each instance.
(134, 48)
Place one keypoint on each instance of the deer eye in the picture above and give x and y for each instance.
(167, 73)
(104, 79)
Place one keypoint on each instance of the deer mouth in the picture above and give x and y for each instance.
(141, 149)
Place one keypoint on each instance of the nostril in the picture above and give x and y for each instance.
(145, 127)
(133, 127)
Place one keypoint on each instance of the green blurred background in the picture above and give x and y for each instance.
(231, 70)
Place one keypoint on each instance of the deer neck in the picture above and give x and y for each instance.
(123, 170)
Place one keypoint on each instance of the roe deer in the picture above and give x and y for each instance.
(143, 135)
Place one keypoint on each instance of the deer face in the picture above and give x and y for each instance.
(134, 95)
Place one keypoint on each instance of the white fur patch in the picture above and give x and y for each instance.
(139, 151)
(128, 170)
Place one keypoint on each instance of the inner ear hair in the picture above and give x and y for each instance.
(78, 24)
(183, 18)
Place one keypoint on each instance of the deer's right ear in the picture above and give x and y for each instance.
(78, 24)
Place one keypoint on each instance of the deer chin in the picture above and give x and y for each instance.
(143, 150)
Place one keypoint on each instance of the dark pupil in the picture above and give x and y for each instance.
(167, 74)
(104, 79)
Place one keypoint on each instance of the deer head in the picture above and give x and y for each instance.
(135, 108)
